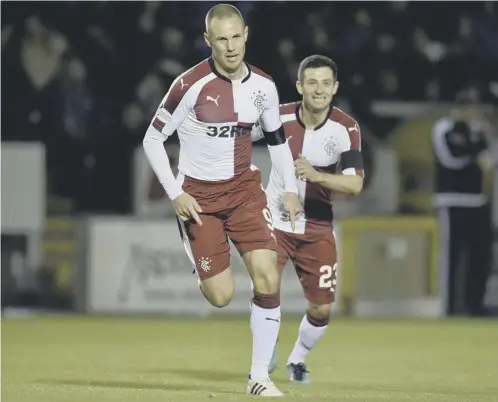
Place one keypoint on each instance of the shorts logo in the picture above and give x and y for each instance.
(205, 264)
(259, 99)
(330, 145)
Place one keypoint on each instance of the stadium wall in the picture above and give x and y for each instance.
(387, 266)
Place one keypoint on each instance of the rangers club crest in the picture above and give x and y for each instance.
(205, 264)
(259, 99)
(330, 145)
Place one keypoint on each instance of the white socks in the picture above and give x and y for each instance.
(265, 324)
(309, 335)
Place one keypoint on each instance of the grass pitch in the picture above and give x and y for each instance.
(88, 359)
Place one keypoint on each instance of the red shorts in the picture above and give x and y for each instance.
(235, 209)
(315, 260)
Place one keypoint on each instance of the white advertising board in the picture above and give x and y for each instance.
(23, 187)
(137, 266)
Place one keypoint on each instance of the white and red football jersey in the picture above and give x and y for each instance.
(214, 116)
(326, 147)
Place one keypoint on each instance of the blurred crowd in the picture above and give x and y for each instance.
(86, 77)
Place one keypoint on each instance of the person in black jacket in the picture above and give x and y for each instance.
(463, 208)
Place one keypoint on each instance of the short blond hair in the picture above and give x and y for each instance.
(221, 11)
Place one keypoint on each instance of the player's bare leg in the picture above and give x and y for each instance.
(265, 318)
(219, 289)
(313, 326)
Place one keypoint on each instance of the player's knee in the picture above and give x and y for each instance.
(267, 282)
(219, 290)
(264, 273)
(221, 298)
(265, 278)
(318, 314)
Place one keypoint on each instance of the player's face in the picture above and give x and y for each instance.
(227, 38)
(318, 87)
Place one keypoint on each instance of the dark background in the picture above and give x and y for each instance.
(103, 67)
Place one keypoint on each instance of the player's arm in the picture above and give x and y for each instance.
(273, 131)
(453, 143)
(257, 132)
(169, 116)
(462, 142)
(349, 182)
(351, 161)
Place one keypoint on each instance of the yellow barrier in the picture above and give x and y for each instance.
(59, 250)
(349, 229)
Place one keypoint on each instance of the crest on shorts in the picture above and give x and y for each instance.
(259, 99)
(205, 264)
(330, 145)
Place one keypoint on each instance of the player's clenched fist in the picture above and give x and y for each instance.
(186, 208)
(304, 169)
(292, 207)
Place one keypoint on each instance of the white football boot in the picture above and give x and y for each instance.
(263, 387)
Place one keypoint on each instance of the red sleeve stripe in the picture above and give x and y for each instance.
(158, 124)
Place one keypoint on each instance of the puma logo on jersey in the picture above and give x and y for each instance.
(210, 98)
(355, 128)
(183, 85)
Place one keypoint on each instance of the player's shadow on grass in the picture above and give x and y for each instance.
(203, 374)
(133, 385)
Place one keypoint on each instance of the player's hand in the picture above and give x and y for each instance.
(186, 208)
(304, 170)
(292, 208)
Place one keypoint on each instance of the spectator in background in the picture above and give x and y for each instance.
(31, 66)
(147, 37)
(42, 52)
(133, 121)
(390, 50)
(464, 214)
(78, 102)
(286, 50)
(174, 54)
(135, 116)
(149, 93)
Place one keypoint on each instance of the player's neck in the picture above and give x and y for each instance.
(311, 119)
(237, 75)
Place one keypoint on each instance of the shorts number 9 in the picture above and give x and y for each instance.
(268, 218)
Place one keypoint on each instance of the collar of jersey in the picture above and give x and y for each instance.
(219, 75)
(298, 118)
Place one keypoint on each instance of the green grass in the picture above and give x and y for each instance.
(83, 359)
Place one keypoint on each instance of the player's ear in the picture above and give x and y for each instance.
(206, 39)
(336, 87)
(299, 88)
(246, 32)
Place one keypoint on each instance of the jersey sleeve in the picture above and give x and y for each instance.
(270, 117)
(351, 158)
(257, 132)
(172, 111)
(169, 116)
